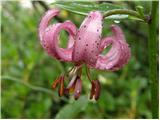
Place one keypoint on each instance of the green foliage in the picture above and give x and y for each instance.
(72, 109)
(83, 8)
(28, 72)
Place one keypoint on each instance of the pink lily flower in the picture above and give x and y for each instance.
(84, 47)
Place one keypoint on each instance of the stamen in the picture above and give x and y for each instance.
(61, 88)
(88, 74)
(92, 90)
(55, 83)
(71, 69)
(97, 89)
(78, 88)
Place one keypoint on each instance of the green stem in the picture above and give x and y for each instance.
(27, 84)
(152, 46)
(88, 73)
(123, 11)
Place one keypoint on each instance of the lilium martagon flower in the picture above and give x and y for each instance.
(85, 46)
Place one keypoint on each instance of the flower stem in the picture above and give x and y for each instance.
(123, 11)
(88, 73)
(152, 46)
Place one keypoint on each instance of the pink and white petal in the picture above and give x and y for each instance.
(71, 41)
(86, 47)
(118, 55)
(50, 40)
(45, 21)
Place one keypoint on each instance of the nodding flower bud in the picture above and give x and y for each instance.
(78, 88)
(95, 90)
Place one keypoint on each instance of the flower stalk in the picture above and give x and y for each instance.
(152, 46)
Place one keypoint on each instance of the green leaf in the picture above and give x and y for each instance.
(71, 110)
(84, 8)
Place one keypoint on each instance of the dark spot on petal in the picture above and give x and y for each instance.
(86, 44)
(97, 30)
(84, 26)
(95, 41)
(92, 51)
(89, 16)
(85, 49)
(79, 38)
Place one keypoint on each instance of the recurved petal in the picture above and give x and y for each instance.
(45, 21)
(118, 55)
(50, 40)
(86, 47)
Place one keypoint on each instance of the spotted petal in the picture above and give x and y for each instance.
(86, 47)
(119, 53)
(49, 36)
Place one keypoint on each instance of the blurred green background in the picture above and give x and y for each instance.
(28, 72)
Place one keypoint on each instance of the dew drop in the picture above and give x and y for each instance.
(116, 21)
